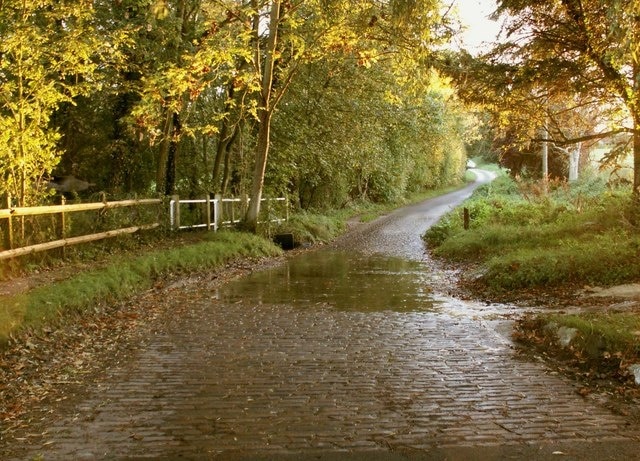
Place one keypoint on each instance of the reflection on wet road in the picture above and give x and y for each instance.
(380, 267)
(337, 280)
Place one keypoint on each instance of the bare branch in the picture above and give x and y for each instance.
(590, 137)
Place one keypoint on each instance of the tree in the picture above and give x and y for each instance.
(345, 134)
(311, 30)
(586, 47)
(48, 54)
(265, 66)
(173, 94)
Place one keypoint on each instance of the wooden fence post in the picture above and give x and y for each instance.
(9, 236)
(207, 204)
(465, 218)
(218, 211)
(267, 213)
(286, 209)
(63, 225)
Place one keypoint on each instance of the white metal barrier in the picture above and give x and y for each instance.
(220, 218)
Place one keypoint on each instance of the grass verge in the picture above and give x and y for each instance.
(309, 227)
(524, 239)
(122, 278)
(596, 344)
(521, 240)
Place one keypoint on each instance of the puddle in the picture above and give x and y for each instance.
(338, 280)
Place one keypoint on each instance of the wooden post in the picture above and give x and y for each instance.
(9, 225)
(63, 225)
(286, 209)
(218, 211)
(176, 212)
(466, 218)
(266, 211)
(207, 204)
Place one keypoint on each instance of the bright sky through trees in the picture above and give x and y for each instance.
(479, 29)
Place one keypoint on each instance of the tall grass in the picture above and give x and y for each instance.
(525, 237)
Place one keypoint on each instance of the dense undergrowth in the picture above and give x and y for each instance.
(522, 237)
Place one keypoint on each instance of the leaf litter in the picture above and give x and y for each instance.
(62, 362)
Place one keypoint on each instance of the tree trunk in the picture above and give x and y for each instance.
(574, 162)
(221, 148)
(223, 158)
(226, 173)
(636, 156)
(545, 154)
(262, 153)
(266, 112)
(172, 158)
(223, 141)
(163, 154)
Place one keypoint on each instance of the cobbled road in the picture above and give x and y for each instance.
(252, 381)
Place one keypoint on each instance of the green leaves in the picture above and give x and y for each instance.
(570, 64)
(48, 51)
(99, 87)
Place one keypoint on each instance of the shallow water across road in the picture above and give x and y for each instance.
(338, 280)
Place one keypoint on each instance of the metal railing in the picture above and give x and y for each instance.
(221, 212)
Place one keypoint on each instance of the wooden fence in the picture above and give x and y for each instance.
(13, 213)
(216, 213)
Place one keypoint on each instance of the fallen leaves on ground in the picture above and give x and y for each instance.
(40, 370)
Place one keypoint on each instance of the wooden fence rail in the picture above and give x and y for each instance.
(214, 217)
(63, 241)
(53, 209)
(72, 241)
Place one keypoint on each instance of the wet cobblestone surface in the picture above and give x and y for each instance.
(246, 380)
(228, 378)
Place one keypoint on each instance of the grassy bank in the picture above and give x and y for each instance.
(122, 277)
(522, 238)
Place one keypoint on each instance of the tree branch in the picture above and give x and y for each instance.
(590, 137)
